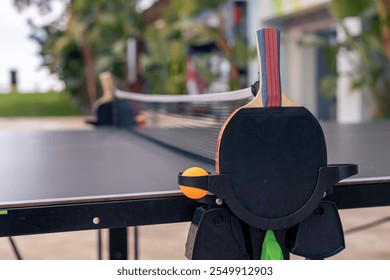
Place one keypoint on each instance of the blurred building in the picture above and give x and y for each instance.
(302, 68)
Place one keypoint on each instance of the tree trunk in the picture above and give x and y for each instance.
(89, 72)
(227, 52)
(383, 7)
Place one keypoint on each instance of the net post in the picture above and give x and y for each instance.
(108, 87)
(107, 84)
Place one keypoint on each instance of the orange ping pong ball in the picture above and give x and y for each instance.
(191, 192)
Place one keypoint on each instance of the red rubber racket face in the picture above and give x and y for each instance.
(271, 150)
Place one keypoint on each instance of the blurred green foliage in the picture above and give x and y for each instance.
(164, 61)
(167, 43)
(88, 39)
(91, 36)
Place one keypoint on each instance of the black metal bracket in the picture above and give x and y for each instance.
(221, 186)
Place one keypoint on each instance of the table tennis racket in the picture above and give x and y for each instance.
(271, 160)
(271, 148)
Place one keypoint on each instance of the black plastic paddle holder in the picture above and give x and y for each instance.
(314, 231)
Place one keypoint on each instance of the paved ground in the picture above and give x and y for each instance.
(44, 123)
(167, 241)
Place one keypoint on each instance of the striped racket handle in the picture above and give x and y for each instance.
(268, 54)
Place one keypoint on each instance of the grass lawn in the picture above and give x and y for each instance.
(37, 104)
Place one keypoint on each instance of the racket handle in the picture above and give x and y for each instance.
(268, 54)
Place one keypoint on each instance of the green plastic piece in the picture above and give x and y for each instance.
(271, 249)
(3, 212)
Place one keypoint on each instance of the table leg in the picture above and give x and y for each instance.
(118, 243)
(15, 248)
(136, 243)
(100, 245)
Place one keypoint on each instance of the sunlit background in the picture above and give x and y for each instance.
(19, 52)
(333, 52)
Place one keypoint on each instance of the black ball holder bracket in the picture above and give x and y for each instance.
(220, 185)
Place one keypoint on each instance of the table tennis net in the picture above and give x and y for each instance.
(187, 122)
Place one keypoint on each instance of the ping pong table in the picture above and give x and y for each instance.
(58, 181)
